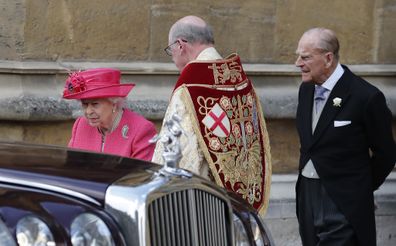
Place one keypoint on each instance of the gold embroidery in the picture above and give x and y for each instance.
(205, 104)
(226, 72)
(251, 168)
(238, 156)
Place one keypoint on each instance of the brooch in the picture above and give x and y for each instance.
(124, 131)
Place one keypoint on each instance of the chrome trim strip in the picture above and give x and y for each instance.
(50, 188)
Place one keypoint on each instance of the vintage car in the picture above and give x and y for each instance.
(52, 195)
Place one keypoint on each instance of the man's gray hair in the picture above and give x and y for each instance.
(328, 40)
(192, 33)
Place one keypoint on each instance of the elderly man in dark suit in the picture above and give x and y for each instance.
(347, 147)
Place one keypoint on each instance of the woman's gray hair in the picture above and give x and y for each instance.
(327, 41)
(120, 102)
(193, 33)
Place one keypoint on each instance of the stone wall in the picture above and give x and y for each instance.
(261, 31)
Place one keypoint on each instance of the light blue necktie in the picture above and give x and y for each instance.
(319, 98)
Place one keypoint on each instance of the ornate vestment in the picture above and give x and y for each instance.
(228, 124)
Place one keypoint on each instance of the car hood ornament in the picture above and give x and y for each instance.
(170, 138)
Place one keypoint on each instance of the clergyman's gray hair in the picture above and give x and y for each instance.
(192, 33)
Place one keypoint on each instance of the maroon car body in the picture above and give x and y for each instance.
(139, 204)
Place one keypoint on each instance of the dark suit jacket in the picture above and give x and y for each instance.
(353, 160)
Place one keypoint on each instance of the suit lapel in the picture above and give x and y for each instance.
(305, 112)
(340, 90)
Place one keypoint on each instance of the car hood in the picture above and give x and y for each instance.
(65, 170)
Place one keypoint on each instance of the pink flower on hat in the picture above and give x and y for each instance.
(76, 83)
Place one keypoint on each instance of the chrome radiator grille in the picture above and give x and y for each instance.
(189, 217)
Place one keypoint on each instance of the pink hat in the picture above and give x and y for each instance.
(95, 83)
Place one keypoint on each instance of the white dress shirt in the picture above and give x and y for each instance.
(309, 170)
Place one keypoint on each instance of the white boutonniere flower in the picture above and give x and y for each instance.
(337, 102)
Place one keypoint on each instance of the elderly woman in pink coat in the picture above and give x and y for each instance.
(107, 126)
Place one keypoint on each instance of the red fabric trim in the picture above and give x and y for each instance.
(199, 72)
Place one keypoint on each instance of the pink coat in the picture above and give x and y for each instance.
(129, 139)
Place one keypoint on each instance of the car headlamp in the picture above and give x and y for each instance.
(5, 235)
(31, 230)
(89, 229)
(241, 237)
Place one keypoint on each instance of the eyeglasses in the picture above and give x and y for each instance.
(168, 49)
